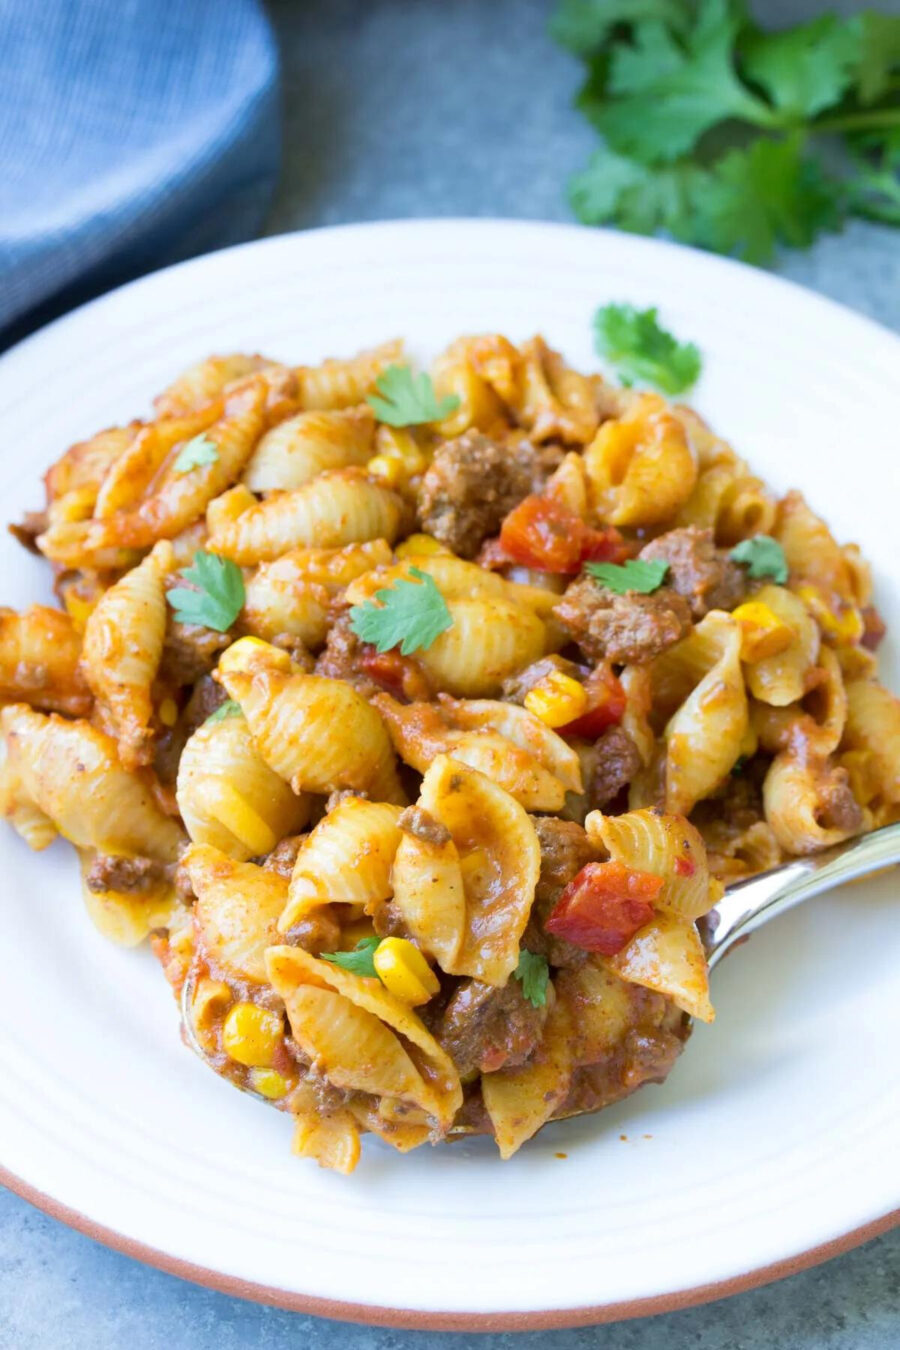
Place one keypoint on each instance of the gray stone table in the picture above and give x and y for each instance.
(436, 108)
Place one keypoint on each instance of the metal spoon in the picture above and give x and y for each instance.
(745, 906)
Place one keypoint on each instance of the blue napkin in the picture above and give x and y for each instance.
(133, 133)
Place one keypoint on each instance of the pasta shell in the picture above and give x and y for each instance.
(318, 734)
(346, 859)
(666, 955)
(71, 772)
(299, 448)
(351, 1026)
(229, 797)
(236, 913)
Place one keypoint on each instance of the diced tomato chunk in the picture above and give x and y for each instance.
(603, 907)
(399, 675)
(542, 533)
(606, 705)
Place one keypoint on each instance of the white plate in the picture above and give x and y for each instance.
(777, 1130)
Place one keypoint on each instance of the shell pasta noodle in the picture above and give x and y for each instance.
(419, 719)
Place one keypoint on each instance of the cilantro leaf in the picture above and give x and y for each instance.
(634, 341)
(763, 557)
(807, 68)
(643, 575)
(408, 400)
(712, 129)
(411, 615)
(879, 54)
(215, 596)
(672, 92)
(227, 709)
(584, 25)
(771, 193)
(196, 453)
(360, 961)
(534, 975)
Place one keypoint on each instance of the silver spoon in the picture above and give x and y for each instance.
(745, 906)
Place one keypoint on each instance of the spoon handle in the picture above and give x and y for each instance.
(748, 904)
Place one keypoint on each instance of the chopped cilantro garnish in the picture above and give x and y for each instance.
(410, 614)
(534, 975)
(227, 709)
(635, 574)
(195, 454)
(763, 556)
(407, 400)
(215, 596)
(360, 961)
(634, 342)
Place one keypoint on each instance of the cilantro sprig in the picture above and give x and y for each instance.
(534, 975)
(634, 342)
(643, 575)
(763, 556)
(361, 961)
(215, 595)
(407, 400)
(227, 709)
(196, 453)
(410, 615)
(721, 134)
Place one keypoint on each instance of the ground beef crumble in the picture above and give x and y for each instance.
(627, 629)
(470, 485)
(703, 574)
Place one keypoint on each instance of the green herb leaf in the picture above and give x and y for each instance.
(584, 25)
(713, 130)
(807, 68)
(643, 575)
(196, 453)
(670, 93)
(227, 709)
(215, 596)
(635, 343)
(534, 974)
(360, 961)
(879, 53)
(411, 615)
(739, 765)
(770, 193)
(408, 400)
(763, 556)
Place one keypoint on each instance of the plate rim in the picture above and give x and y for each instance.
(414, 1319)
(410, 1318)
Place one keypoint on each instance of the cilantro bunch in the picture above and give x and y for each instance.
(730, 137)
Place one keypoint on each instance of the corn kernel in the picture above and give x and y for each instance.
(398, 443)
(557, 699)
(404, 972)
(168, 712)
(268, 1083)
(844, 624)
(762, 632)
(421, 545)
(233, 811)
(245, 654)
(388, 468)
(79, 608)
(250, 1035)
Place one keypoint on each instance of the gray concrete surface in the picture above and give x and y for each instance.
(417, 108)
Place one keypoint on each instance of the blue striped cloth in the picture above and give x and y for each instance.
(133, 133)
